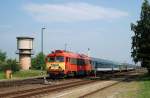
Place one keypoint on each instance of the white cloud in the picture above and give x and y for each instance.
(70, 12)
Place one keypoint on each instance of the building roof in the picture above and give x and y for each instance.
(24, 37)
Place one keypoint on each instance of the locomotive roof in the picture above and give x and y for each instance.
(68, 54)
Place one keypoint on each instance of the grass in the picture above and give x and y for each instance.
(24, 74)
(127, 90)
(2, 75)
(145, 86)
(28, 73)
(129, 94)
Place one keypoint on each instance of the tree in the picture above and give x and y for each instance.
(2, 56)
(39, 61)
(141, 39)
(2, 60)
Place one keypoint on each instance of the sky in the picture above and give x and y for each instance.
(101, 25)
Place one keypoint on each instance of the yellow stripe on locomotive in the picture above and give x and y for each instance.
(55, 66)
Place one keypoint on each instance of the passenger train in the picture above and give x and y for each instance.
(62, 63)
(107, 65)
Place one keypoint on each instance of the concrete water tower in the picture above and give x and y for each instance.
(25, 46)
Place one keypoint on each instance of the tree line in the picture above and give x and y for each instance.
(37, 62)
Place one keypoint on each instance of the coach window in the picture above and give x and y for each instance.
(87, 62)
(67, 59)
(73, 61)
(80, 62)
(90, 61)
(83, 62)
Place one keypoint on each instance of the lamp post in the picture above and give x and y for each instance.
(42, 29)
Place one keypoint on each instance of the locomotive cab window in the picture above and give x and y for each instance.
(50, 59)
(59, 59)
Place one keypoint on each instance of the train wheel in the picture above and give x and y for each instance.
(74, 74)
(65, 76)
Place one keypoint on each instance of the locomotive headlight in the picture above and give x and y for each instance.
(48, 66)
(59, 67)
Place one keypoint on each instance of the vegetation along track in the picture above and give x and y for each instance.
(42, 90)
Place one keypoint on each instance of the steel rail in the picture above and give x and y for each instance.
(42, 90)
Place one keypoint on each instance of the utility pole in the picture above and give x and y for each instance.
(65, 47)
(42, 29)
(88, 52)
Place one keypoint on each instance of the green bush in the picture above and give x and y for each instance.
(11, 65)
(6, 64)
(2, 65)
(2, 59)
(2, 75)
(2, 56)
(38, 62)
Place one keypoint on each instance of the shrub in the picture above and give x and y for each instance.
(2, 65)
(12, 65)
(2, 56)
(38, 62)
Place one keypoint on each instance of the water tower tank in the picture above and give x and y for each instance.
(25, 46)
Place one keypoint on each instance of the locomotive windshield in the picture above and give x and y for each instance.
(59, 59)
(51, 59)
(55, 59)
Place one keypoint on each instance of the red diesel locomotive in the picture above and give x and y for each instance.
(65, 63)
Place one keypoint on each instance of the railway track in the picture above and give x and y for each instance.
(40, 80)
(28, 81)
(19, 82)
(43, 90)
(57, 87)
